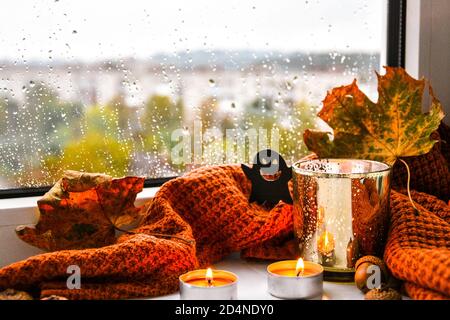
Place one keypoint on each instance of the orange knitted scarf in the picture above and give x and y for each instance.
(210, 206)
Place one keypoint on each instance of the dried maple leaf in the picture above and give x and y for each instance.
(393, 127)
(83, 210)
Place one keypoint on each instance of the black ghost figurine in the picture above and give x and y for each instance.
(270, 192)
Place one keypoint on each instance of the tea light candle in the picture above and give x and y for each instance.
(208, 284)
(295, 279)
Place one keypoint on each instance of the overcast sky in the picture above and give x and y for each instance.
(101, 29)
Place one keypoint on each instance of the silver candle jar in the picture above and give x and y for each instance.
(340, 212)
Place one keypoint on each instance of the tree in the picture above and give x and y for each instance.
(289, 121)
(301, 116)
(50, 121)
(207, 111)
(45, 111)
(260, 114)
(93, 153)
(122, 111)
(161, 116)
(100, 149)
(8, 115)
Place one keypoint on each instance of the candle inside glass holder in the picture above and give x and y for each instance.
(295, 279)
(325, 246)
(208, 284)
(341, 212)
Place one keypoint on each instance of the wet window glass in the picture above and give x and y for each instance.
(157, 88)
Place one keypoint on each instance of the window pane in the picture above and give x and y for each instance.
(157, 88)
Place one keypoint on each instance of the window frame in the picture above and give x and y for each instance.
(395, 57)
(396, 33)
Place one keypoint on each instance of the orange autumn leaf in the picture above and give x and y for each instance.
(83, 210)
(386, 130)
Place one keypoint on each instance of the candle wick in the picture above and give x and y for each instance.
(299, 273)
(209, 283)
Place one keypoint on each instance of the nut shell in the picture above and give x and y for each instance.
(383, 294)
(11, 294)
(54, 297)
(361, 277)
(373, 260)
(361, 274)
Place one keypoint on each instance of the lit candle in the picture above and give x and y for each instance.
(325, 246)
(295, 279)
(291, 272)
(208, 284)
(209, 277)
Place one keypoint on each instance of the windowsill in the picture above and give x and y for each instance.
(31, 202)
(253, 282)
(23, 211)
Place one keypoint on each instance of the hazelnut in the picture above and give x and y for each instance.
(54, 297)
(383, 294)
(11, 294)
(361, 273)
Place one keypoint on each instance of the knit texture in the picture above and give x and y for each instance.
(208, 212)
(208, 206)
(418, 247)
(430, 173)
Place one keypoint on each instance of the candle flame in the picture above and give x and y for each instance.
(326, 242)
(300, 267)
(209, 276)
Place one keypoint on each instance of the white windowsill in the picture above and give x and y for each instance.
(252, 275)
(253, 282)
(30, 202)
(23, 211)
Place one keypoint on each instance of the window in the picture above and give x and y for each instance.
(157, 88)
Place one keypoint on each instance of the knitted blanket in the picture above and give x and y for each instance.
(418, 246)
(209, 206)
(208, 212)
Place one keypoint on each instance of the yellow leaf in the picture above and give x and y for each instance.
(393, 127)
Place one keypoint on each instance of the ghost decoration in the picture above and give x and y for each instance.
(269, 191)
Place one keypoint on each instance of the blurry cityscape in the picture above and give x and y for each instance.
(117, 116)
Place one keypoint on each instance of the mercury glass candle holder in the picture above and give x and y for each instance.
(341, 211)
